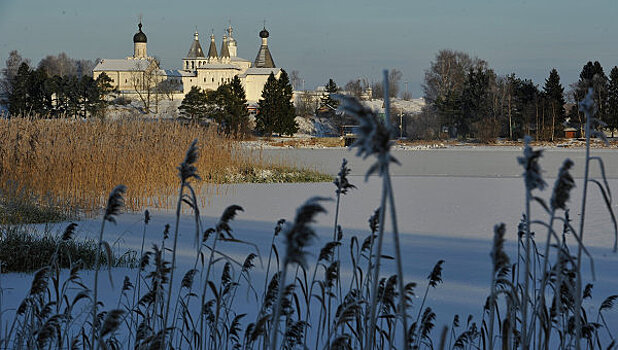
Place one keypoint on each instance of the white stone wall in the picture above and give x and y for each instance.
(254, 84)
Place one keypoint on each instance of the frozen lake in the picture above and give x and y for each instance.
(448, 202)
(468, 161)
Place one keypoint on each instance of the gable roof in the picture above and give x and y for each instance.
(260, 71)
(125, 65)
(218, 66)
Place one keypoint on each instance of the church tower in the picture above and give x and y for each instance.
(213, 57)
(225, 51)
(195, 57)
(264, 58)
(231, 42)
(139, 43)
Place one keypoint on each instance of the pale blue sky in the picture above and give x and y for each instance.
(323, 39)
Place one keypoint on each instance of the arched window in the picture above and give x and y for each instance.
(192, 64)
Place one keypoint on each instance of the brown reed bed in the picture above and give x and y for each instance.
(74, 163)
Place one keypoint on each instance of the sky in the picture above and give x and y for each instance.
(339, 39)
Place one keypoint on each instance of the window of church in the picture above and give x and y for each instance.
(213, 80)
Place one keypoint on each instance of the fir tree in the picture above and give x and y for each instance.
(612, 104)
(237, 108)
(287, 113)
(326, 100)
(593, 76)
(600, 86)
(19, 93)
(267, 107)
(193, 106)
(39, 93)
(229, 108)
(475, 100)
(106, 90)
(554, 95)
(276, 110)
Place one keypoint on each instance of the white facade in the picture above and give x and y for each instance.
(206, 71)
(210, 70)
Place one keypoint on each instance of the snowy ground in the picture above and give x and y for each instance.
(448, 202)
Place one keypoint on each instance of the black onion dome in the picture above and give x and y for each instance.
(264, 33)
(139, 37)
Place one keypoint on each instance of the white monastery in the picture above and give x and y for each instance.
(140, 72)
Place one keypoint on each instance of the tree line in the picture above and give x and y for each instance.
(466, 98)
(58, 87)
(227, 106)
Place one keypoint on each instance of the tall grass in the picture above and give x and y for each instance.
(71, 164)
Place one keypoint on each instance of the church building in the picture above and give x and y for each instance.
(206, 71)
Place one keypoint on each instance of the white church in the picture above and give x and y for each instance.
(134, 74)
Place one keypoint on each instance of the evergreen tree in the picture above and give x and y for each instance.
(326, 100)
(105, 90)
(526, 101)
(475, 101)
(276, 110)
(267, 107)
(236, 107)
(554, 97)
(9, 73)
(612, 104)
(19, 93)
(228, 106)
(193, 106)
(593, 76)
(287, 113)
(600, 87)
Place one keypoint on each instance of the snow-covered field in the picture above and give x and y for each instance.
(447, 202)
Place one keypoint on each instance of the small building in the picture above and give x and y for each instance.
(570, 133)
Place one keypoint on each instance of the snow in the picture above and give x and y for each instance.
(412, 106)
(447, 200)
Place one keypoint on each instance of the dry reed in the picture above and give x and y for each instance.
(75, 163)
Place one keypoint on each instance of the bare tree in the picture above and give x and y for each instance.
(61, 65)
(306, 104)
(145, 78)
(169, 87)
(10, 72)
(447, 74)
(355, 88)
(85, 67)
(394, 78)
(296, 80)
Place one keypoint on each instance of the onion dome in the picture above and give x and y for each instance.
(264, 33)
(139, 37)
